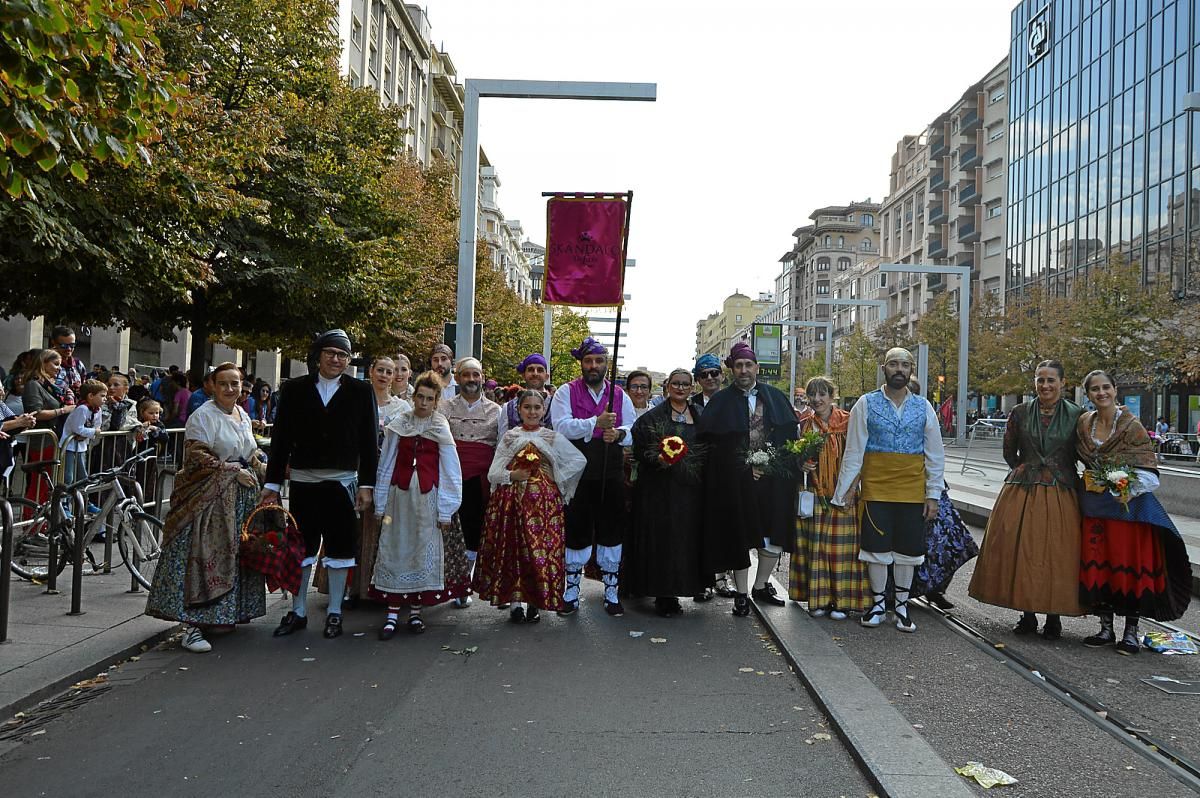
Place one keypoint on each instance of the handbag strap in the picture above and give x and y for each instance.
(246, 525)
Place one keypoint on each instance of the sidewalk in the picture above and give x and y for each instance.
(974, 493)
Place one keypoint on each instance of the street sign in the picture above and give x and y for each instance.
(449, 331)
(766, 340)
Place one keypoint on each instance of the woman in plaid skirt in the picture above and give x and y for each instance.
(825, 569)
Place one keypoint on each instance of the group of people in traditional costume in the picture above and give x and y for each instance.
(442, 493)
(1059, 546)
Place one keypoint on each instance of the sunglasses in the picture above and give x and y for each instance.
(707, 373)
(64, 346)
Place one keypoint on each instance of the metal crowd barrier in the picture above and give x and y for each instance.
(987, 433)
(1177, 447)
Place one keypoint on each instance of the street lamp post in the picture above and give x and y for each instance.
(964, 330)
(469, 192)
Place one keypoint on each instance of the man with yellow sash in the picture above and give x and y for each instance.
(894, 453)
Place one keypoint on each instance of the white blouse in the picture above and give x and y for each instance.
(229, 435)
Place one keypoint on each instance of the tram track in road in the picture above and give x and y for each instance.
(1178, 764)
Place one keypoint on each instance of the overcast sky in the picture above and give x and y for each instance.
(767, 110)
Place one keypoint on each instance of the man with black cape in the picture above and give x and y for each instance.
(747, 508)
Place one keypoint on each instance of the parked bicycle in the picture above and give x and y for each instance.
(120, 520)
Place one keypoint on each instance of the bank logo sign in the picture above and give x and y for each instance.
(1037, 36)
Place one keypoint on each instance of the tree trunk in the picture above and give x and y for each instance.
(198, 355)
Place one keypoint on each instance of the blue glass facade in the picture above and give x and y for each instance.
(1102, 156)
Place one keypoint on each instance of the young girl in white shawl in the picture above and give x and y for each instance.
(533, 476)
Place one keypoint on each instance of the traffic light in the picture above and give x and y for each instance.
(941, 380)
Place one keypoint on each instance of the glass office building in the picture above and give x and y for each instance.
(1102, 154)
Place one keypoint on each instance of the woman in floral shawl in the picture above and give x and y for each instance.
(1132, 559)
(198, 580)
(534, 475)
(825, 570)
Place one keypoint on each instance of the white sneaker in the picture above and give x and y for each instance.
(462, 602)
(817, 613)
(837, 615)
(193, 641)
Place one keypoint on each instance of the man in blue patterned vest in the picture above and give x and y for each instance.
(894, 444)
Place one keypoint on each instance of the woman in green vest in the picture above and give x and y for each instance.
(1030, 555)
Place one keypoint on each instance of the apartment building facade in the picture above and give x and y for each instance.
(716, 333)
(946, 204)
(840, 240)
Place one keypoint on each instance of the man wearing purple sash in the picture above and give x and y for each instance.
(596, 516)
(536, 373)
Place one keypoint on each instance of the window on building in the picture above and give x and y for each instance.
(992, 247)
(995, 96)
(994, 210)
(843, 264)
(356, 33)
(866, 245)
(823, 289)
(828, 240)
(867, 220)
(883, 277)
(822, 264)
(994, 170)
(841, 241)
(738, 317)
(996, 133)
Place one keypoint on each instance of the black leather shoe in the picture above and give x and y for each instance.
(290, 623)
(517, 615)
(666, 607)
(741, 605)
(532, 615)
(333, 626)
(940, 601)
(569, 608)
(614, 608)
(389, 629)
(1052, 628)
(1027, 625)
(766, 594)
(703, 596)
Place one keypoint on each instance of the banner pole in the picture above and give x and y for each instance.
(612, 380)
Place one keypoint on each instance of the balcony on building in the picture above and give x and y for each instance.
(936, 246)
(969, 158)
(968, 229)
(937, 146)
(966, 257)
(937, 213)
(441, 113)
(970, 121)
(968, 194)
(937, 179)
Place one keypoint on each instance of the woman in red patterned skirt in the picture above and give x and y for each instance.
(1132, 560)
(533, 476)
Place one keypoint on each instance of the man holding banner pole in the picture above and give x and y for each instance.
(596, 516)
(587, 239)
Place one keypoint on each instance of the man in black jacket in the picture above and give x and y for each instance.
(325, 429)
(747, 507)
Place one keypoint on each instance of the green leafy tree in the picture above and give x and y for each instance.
(938, 329)
(80, 83)
(1116, 323)
(892, 331)
(857, 363)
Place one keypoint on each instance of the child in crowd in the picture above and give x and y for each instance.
(150, 427)
(82, 425)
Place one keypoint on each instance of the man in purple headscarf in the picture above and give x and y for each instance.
(596, 516)
(536, 373)
(746, 507)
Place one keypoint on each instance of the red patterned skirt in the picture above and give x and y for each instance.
(1122, 569)
(521, 558)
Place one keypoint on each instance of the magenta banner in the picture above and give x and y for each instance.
(585, 251)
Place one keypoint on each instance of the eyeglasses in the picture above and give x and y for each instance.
(708, 373)
(639, 387)
(65, 346)
(336, 354)
(682, 386)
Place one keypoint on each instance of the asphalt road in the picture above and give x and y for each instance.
(969, 706)
(567, 707)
